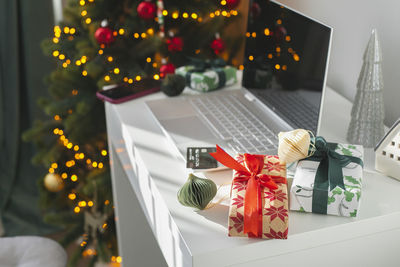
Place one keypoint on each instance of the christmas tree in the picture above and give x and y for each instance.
(103, 42)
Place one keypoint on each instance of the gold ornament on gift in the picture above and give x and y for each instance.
(53, 182)
(197, 192)
(295, 145)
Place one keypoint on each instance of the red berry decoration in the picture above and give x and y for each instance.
(167, 69)
(218, 45)
(104, 35)
(231, 4)
(147, 10)
(175, 44)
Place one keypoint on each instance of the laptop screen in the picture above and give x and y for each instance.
(285, 62)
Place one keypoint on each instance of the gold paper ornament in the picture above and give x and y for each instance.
(197, 192)
(294, 145)
(53, 182)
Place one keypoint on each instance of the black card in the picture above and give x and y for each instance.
(199, 158)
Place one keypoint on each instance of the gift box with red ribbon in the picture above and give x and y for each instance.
(259, 197)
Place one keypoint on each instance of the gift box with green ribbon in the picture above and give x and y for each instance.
(208, 75)
(330, 181)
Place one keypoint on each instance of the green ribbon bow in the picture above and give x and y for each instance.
(201, 65)
(329, 173)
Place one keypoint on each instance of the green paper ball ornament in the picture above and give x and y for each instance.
(173, 84)
(197, 192)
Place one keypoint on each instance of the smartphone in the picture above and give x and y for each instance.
(120, 93)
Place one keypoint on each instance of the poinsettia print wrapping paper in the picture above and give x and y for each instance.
(274, 202)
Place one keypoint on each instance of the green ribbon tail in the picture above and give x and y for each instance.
(320, 190)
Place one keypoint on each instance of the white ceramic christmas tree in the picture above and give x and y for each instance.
(366, 125)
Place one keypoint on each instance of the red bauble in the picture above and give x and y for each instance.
(230, 4)
(147, 10)
(175, 44)
(218, 45)
(167, 69)
(104, 35)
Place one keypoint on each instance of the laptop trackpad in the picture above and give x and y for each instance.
(187, 129)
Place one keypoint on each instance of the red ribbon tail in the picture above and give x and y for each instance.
(224, 158)
(251, 206)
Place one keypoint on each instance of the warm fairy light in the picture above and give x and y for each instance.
(251, 58)
(74, 92)
(57, 29)
(121, 31)
(241, 67)
(94, 164)
(223, 2)
(66, 30)
(212, 15)
(278, 49)
(138, 78)
(104, 225)
(143, 35)
(185, 15)
(88, 20)
(101, 51)
(82, 2)
(107, 202)
(224, 13)
(51, 170)
(84, 73)
(254, 35)
(72, 196)
(130, 81)
(64, 175)
(110, 59)
(154, 65)
(69, 146)
(56, 53)
(194, 16)
(83, 59)
(88, 161)
(270, 56)
(279, 21)
(68, 61)
(136, 35)
(76, 156)
(76, 147)
(118, 259)
(150, 31)
(296, 57)
(277, 66)
(284, 67)
(78, 62)
(175, 15)
(288, 38)
(55, 131)
(267, 32)
(156, 77)
(102, 46)
(148, 60)
(83, 13)
(77, 209)
(165, 12)
(90, 203)
(116, 70)
(83, 243)
(234, 12)
(61, 132)
(74, 178)
(54, 165)
(81, 156)
(113, 258)
(57, 117)
(125, 79)
(104, 152)
(72, 30)
(61, 57)
(107, 78)
(248, 34)
(100, 166)
(55, 40)
(217, 13)
(82, 203)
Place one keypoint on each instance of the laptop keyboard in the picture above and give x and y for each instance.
(235, 124)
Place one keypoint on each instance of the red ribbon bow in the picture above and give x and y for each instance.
(250, 172)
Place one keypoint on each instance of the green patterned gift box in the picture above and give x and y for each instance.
(330, 182)
(208, 79)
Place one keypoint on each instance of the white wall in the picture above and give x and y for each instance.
(352, 21)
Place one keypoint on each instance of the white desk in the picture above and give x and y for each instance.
(155, 230)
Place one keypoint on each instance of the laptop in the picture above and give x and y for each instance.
(285, 68)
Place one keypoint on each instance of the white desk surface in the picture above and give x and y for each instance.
(190, 238)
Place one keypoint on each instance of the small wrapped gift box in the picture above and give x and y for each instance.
(330, 181)
(259, 198)
(208, 79)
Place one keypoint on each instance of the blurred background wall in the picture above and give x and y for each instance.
(352, 22)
